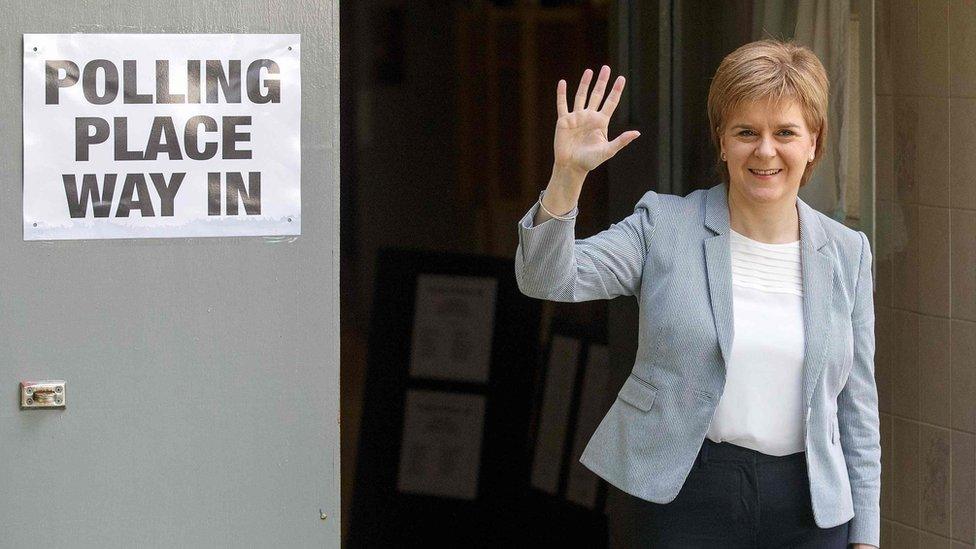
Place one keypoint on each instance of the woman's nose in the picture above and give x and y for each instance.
(765, 148)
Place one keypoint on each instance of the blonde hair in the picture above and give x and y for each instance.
(774, 71)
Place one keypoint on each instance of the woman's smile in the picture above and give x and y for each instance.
(764, 174)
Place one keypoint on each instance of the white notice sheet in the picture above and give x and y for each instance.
(454, 319)
(440, 452)
(162, 135)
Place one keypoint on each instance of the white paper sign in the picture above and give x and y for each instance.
(441, 450)
(453, 323)
(161, 135)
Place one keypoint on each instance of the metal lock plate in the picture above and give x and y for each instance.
(42, 394)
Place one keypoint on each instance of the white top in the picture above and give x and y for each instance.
(762, 405)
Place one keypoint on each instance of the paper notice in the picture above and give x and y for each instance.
(440, 452)
(454, 319)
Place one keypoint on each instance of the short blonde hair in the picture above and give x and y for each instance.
(774, 71)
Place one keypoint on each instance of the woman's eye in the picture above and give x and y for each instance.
(788, 133)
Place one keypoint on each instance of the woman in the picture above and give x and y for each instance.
(750, 418)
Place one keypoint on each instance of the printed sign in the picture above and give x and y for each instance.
(453, 323)
(441, 447)
(161, 135)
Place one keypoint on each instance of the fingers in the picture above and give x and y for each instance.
(561, 108)
(580, 102)
(614, 98)
(584, 86)
(599, 88)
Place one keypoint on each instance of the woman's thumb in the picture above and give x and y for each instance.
(622, 141)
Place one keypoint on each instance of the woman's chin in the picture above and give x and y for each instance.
(762, 191)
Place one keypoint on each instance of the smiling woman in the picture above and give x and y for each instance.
(774, 420)
(753, 87)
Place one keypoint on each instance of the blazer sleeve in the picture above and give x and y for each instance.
(857, 413)
(550, 263)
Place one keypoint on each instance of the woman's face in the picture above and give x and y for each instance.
(767, 148)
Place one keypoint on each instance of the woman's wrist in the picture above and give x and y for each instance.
(567, 176)
(563, 190)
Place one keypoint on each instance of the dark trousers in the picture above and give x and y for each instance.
(734, 497)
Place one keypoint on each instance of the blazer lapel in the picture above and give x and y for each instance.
(817, 273)
(718, 262)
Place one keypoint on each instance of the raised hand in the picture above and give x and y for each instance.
(581, 143)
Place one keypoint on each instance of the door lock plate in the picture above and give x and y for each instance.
(42, 394)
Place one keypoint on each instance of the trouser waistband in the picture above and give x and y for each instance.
(726, 451)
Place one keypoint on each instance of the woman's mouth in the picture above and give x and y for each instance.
(764, 173)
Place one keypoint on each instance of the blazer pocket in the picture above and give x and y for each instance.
(638, 393)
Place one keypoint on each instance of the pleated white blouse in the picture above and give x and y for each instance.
(762, 406)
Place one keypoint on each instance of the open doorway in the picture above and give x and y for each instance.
(447, 115)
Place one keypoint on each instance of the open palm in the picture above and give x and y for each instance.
(581, 142)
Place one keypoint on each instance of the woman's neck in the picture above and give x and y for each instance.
(772, 223)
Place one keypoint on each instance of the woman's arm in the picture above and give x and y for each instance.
(551, 264)
(857, 413)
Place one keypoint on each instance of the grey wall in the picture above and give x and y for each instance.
(202, 374)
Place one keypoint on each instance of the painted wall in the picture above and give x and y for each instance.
(202, 374)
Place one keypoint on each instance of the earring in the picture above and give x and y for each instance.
(723, 157)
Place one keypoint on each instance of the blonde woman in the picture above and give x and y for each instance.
(750, 417)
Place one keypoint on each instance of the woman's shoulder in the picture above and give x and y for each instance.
(849, 247)
(661, 203)
(846, 237)
(679, 215)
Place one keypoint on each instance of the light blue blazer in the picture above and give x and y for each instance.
(673, 254)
